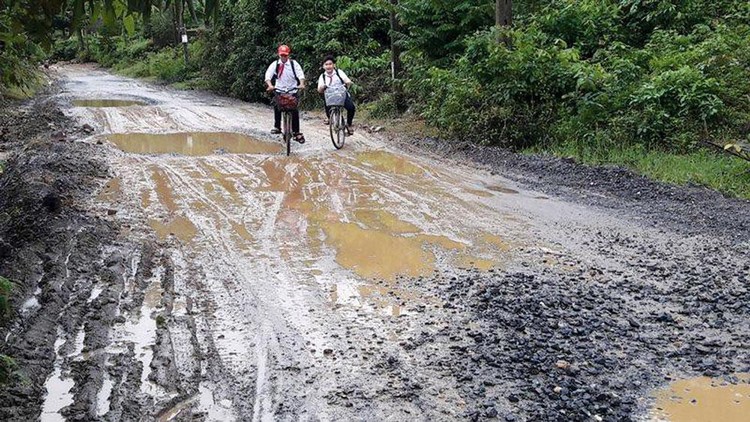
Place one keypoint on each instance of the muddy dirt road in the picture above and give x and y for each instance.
(361, 284)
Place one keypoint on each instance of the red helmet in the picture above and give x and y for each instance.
(284, 50)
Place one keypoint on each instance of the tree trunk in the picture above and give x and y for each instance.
(504, 17)
(146, 13)
(191, 8)
(81, 42)
(503, 12)
(181, 32)
(396, 65)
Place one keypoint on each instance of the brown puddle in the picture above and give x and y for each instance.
(704, 399)
(107, 103)
(111, 191)
(163, 189)
(178, 226)
(192, 143)
(376, 254)
(391, 163)
(363, 236)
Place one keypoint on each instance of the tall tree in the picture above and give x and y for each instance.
(396, 64)
(503, 16)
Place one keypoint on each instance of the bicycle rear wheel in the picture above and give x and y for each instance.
(337, 128)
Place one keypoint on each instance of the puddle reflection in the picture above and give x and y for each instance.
(192, 143)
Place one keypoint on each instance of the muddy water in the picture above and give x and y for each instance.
(193, 143)
(107, 103)
(704, 399)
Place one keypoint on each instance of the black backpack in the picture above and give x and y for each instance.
(276, 72)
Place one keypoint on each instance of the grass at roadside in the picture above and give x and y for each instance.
(727, 174)
(33, 82)
(166, 65)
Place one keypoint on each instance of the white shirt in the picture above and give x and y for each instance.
(286, 81)
(332, 80)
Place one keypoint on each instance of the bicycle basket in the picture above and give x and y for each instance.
(335, 96)
(287, 102)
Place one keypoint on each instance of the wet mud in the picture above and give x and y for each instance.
(105, 103)
(188, 270)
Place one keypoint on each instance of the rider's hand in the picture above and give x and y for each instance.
(270, 88)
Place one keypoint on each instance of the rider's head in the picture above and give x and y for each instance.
(329, 63)
(284, 52)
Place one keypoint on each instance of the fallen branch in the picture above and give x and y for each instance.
(737, 149)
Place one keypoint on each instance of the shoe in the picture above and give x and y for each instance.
(299, 137)
(275, 131)
(326, 122)
(349, 131)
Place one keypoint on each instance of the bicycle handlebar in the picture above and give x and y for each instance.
(286, 91)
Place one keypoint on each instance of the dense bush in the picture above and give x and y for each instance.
(577, 72)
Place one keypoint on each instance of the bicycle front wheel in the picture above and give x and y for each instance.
(337, 128)
(287, 130)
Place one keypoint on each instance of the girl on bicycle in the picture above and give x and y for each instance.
(334, 77)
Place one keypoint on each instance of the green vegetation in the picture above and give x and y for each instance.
(8, 368)
(6, 287)
(644, 83)
(702, 167)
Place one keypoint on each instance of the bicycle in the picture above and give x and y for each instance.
(335, 98)
(286, 101)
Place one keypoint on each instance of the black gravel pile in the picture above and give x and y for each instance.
(577, 350)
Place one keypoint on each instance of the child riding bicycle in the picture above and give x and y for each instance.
(335, 78)
(285, 75)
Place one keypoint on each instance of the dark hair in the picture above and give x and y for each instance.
(331, 58)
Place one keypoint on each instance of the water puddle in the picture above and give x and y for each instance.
(480, 193)
(102, 396)
(216, 410)
(704, 399)
(142, 331)
(179, 226)
(390, 163)
(375, 254)
(111, 191)
(107, 103)
(502, 189)
(163, 189)
(57, 386)
(31, 303)
(344, 213)
(193, 143)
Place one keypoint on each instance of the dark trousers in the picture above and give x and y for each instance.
(350, 110)
(277, 119)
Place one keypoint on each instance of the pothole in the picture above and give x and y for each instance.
(193, 143)
(99, 103)
(704, 399)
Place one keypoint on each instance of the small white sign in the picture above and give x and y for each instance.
(184, 38)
